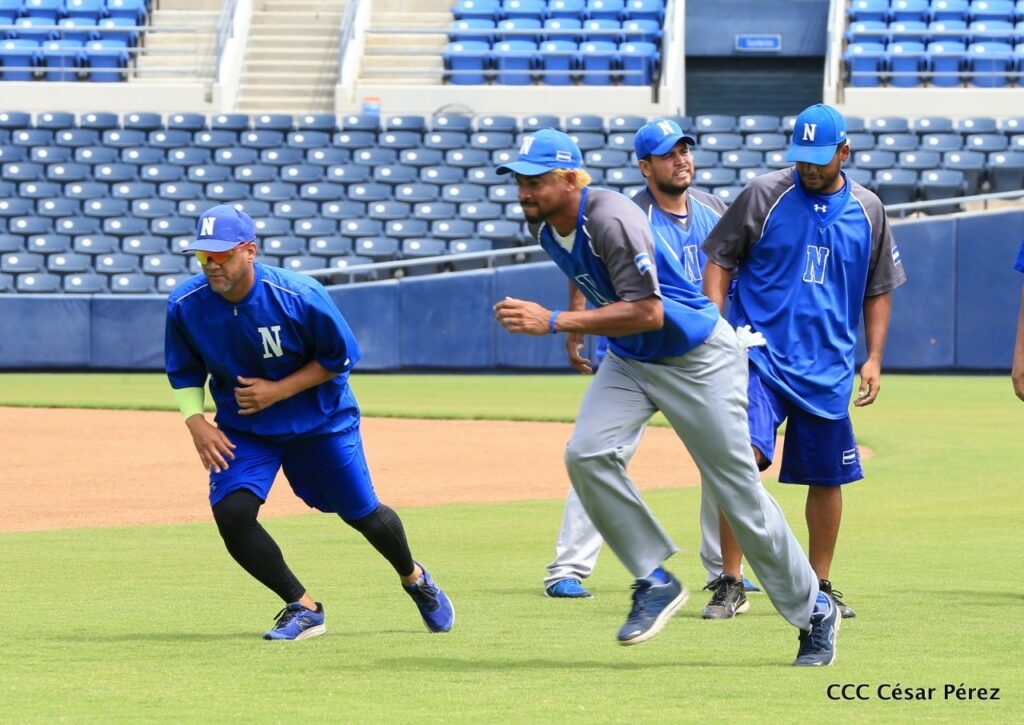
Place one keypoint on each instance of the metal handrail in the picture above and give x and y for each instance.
(346, 31)
(225, 31)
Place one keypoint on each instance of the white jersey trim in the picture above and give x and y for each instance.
(283, 289)
(182, 298)
(772, 208)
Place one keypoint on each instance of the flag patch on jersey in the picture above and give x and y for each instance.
(849, 457)
(643, 262)
(895, 254)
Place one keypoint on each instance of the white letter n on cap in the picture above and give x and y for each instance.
(207, 228)
(809, 130)
(527, 143)
(666, 127)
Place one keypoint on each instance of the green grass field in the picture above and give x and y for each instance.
(158, 624)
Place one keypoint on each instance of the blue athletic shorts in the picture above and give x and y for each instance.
(816, 451)
(328, 472)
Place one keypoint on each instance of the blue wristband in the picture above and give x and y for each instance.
(551, 322)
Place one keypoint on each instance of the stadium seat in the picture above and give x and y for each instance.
(58, 207)
(942, 141)
(395, 174)
(262, 139)
(641, 30)
(105, 60)
(132, 283)
(40, 189)
(153, 208)
(480, 210)
(322, 192)
(999, 10)
(557, 61)
(16, 207)
(605, 159)
(295, 209)
(422, 248)
(638, 61)
(865, 63)
(977, 124)
(325, 156)
(48, 243)
(190, 122)
(214, 139)
(473, 30)
(18, 59)
(986, 142)
(170, 138)
(502, 194)
(405, 228)
(377, 248)
(61, 60)
(896, 141)
(466, 62)
(906, 60)
(19, 262)
(434, 210)
(342, 209)
(514, 61)
(158, 264)
(172, 226)
(314, 227)
(11, 243)
(87, 190)
(85, 282)
(124, 138)
(874, 160)
(990, 64)
(867, 31)
(285, 156)
(302, 173)
(624, 176)
(141, 155)
(896, 186)
(713, 177)
(282, 245)
(119, 30)
(93, 155)
(941, 184)
(386, 210)
(970, 163)
(179, 190)
(452, 228)
(919, 160)
(27, 225)
(124, 226)
(566, 8)
(931, 124)
(55, 120)
(721, 141)
(329, 246)
(42, 282)
(348, 173)
(597, 62)
(1006, 170)
(116, 263)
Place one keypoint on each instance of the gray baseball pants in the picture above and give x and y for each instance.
(703, 394)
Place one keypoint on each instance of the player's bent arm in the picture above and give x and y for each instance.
(1017, 374)
(617, 319)
(716, 283)
(255, 394)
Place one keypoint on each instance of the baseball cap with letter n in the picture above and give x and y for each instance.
(658, 137)
(817, 133)
(544, 151)
(222, 228)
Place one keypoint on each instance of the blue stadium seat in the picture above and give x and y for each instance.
(942, 141)
(491, 140)
(379, 249)
(874, 160)
(896, 141)
(970, 163)
(179, 190)
(16, 207)
(302, 173)
(941, 184)
(468, 246)
(990, 64)
(282, 245)
(159, 173)
(400, 140)
(1013, 124)
(566, 8)
(202, 173)
(867, 31)
(105, 61)
(55, 120)
(456, 122)
(141, 155)
(132, 283)
(413, 123)
(342, 209)
(986, 142)
(420, 157)
(476, 8)
(523, 8)
(949, 31)
(865, 63)
(193, 208)
(764, 142)
(912, 10)
(480, 210)
(395, 174)
(22, 171)
(434, 210)
(329, 246)
(991, 31)
(40, 189)
(888, 124)
(15, 120)
(375, 156)
(504, 156)
(479, 30)
(359, 227)
(977, 124)
(85, 283)
(285, 156)
(466, 62)
(503, 124)
(641, 30)
(260, 139)
(172, 226)
(308, 139)
(467, 157)
(501, 233)
(597, 62)
(120, 30)
(188, 156)
(587, 141)
(105, 208)
(405, 228)
(949, 10)
(190, 122)
(385, 210)
(170, 138)
(322, 192)
(361, 122)
(58, 207)
(42, 282)
(605, 158)
(561, 29)
(124, 226)
(993, 10)
(877, 10)
(605, 9)
(235, 122)
(325, 122)
(27, 225)
(931, 124)
(354, 140)
(906, 61)
(94, 155)
(158, 264)
(600, 30)
(457, 193)
(745, 176)
(327, 156)
(280, 122)
(33, 30)
(721, 141)
(711, 177)
(1006, 170)
(130, 190)
(514, 61)
(369, 192)
(32, 137)
(153, 208)
(314, 227)
(61, 60)
(6, 283)
(19, 262)
(348, 173)
(272, 227)
(919, 160)
(908, 31)
(639, 61)
(741, 159)
(296, 209)
(48, 243)
(714, 123)
(10, 154)
(502, 194)
(49, 154)
(896, 186)
(124, 138)
(87, 190)
(11, 243)
(758, 123)
(214, 139)
(651, 10)
(116, 263)
(624, 176)
(452, 228)
(422, 248)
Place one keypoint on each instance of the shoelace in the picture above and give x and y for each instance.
(720, 587)
(826, 586)
(640, 589)
(285, 617)
(425, 595)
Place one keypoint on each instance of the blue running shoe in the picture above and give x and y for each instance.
(818, 647)
(567, 589)
(653, 605)
(297, 622)
(750, 587)
(435, 608)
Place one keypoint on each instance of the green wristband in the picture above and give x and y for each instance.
(190, 401)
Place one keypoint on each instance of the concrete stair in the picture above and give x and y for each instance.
(291, 64)
(181, 47)
(396, 58)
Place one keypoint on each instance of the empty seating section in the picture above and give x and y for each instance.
(558, 42)
(940, 43)
(102, 203)
(69, 40)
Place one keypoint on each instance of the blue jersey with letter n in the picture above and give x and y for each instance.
(804, 265)
(285, 321)
(614, 257)
(685, 236)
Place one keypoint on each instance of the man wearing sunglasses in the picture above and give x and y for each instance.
(277, 354)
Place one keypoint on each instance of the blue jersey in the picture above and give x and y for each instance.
(1019, 262)
(703, 212)
(615, 257)
(285, 321)
(805, 264)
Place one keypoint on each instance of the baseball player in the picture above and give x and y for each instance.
(809, 250)
(681, 217)
(669, 350)
(277, 354)
(1017, 374)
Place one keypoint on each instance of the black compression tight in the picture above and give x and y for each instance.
(252, 547)
(384, 530)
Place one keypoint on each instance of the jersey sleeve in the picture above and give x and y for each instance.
(622, 238)
(334, 343)
(739, 228)
(184, 365)
(885, 270)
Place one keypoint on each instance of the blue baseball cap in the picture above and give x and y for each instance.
(659, 137)
(544, 151)
(818, 131)
(221, 228)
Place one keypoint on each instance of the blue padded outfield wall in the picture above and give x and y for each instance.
(957, 312)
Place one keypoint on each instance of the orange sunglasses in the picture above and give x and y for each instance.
(217, 257)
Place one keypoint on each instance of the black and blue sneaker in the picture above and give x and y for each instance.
(818, 647)
(654, 604)
(435, 607)
(297, 622)
(837, 596)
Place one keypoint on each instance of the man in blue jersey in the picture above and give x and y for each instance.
(681, 217)
(1017, 374)
(277, 355)
(669, 350)
(809, 250)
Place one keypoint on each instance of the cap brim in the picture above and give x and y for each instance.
(669, 143)
(817, 155)
(524, 168)
(210, 245)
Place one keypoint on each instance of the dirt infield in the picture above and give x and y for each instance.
(72, 468)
